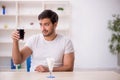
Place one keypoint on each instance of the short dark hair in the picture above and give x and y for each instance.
(49, 14)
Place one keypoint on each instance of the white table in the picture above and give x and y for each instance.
(81, 75)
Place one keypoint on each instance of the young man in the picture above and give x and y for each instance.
(47, 44)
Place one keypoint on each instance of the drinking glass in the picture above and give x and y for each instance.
(21, 32)
(50, 62)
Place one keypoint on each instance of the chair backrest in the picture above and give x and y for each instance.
(12, 64)
(28, 63)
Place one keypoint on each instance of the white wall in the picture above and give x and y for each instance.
(90, 33)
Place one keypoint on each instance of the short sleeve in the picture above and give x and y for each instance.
(30, 42)
(69, 47)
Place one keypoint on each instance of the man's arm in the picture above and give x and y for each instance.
(68, 63)
(19, 55)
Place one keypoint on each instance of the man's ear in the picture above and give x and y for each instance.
(55, 24)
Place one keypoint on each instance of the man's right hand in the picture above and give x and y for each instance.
(15, 35)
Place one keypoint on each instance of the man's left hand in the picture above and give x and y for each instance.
(41, 68)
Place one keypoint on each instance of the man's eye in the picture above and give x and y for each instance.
(47, 24)
(40, 24)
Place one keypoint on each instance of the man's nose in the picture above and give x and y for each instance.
(43, 27)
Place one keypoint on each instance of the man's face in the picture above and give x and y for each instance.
(47, 27)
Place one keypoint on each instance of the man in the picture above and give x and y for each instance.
(47, 44)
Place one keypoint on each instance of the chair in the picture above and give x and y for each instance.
(15, 66)
(12, 64)
(28, 63)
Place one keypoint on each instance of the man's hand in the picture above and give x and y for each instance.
(41, 68)
(15, 35)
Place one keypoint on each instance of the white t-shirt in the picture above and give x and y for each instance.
(42, 49)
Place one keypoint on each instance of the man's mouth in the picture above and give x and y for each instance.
(45, 31)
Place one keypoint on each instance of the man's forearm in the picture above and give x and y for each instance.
(16, 53)
(62, 68)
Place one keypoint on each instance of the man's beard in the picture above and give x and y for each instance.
(48, 34)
